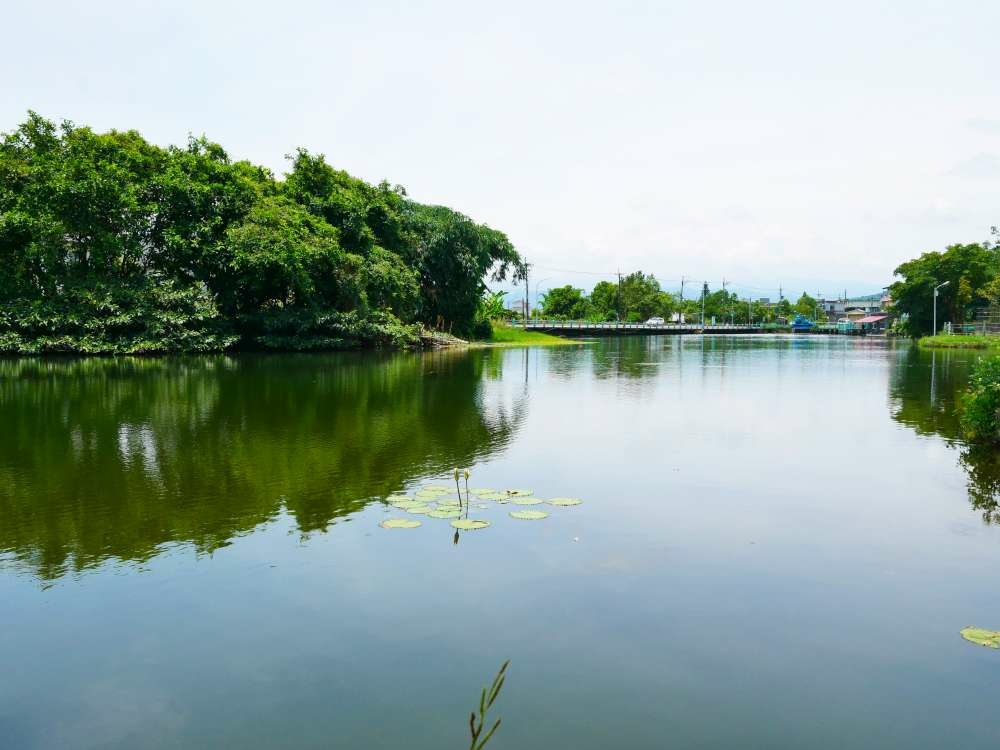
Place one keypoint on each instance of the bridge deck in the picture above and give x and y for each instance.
(577, 328)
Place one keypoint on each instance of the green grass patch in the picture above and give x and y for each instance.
(511, 336)
(943, 341)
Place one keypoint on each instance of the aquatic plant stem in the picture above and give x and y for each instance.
(486, 700)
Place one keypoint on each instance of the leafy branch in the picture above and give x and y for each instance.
(486, 700)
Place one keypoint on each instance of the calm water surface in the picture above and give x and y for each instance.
(780, 540)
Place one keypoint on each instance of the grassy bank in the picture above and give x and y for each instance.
(511, 336)
(943, 341)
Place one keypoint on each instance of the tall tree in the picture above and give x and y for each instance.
(111, 244)
(969, 269)
(604, 300)
(565, 302)
(806, 306)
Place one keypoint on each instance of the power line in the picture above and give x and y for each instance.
(681, 282)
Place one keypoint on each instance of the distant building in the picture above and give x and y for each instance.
(853, 308)
(516, 306)
(874, 323)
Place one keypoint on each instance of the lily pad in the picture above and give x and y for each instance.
(445, 513)
(468, 524)
(448, 503)
(407, 504)
(497, 496)
(988, 638)
(429, 494)
(520, 493)
(436, 488)
(481, 491)
(418, 509)
(529, 515)
(565, 501)
(397, 498)
(399, 523)
(527, 500)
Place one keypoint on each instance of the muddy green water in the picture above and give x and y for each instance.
(779, 542)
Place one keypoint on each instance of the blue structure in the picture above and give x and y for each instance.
(802, 324)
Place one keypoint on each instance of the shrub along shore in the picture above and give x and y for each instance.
(112, 245)
(949, 341)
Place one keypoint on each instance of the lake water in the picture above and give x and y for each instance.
(779, 541)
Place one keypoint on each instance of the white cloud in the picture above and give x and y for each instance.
(980, 166)
(752, 141)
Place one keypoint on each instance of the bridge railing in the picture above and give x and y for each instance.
(612, 325)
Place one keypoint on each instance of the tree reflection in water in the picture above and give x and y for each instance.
(116, 458)
(925, 394)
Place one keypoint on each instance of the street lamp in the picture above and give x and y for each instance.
(939, 286)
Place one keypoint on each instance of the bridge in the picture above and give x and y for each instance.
(580, 328)
(576, 328)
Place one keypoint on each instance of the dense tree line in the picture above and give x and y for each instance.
(972, 273)
(109, 243)
(639, 297)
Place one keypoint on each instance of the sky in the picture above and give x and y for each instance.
(798, 145)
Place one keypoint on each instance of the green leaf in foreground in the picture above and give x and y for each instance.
(988, 638)
(527, 500)
(467, 524)
(482, 491)
(486, 700)
(529, 515)
(419, 509)
(436, 488)
(565, 501)
(399, 523)
(396, 498)
(520, 493)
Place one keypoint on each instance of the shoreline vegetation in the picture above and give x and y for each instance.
(951, 341)
(504, 335)
(110, 244)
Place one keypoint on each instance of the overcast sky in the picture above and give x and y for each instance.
(812, 145)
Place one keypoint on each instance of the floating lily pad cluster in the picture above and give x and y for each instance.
(451, 503)
(981, 637)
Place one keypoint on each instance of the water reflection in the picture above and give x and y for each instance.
(925, 393)
(115, 458)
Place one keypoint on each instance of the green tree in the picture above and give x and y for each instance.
(913, 295)
(783, 309)
(981, 403)
(604, 300)
(642, 298)
(565, 302)
(109, 243)
(806, 306)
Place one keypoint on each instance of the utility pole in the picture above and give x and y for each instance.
(526, 310)
(619, 303)
(682, 288)
(704, 294)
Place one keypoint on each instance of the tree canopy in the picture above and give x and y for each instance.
(971, 272)
(109, 243)
(565, 302)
